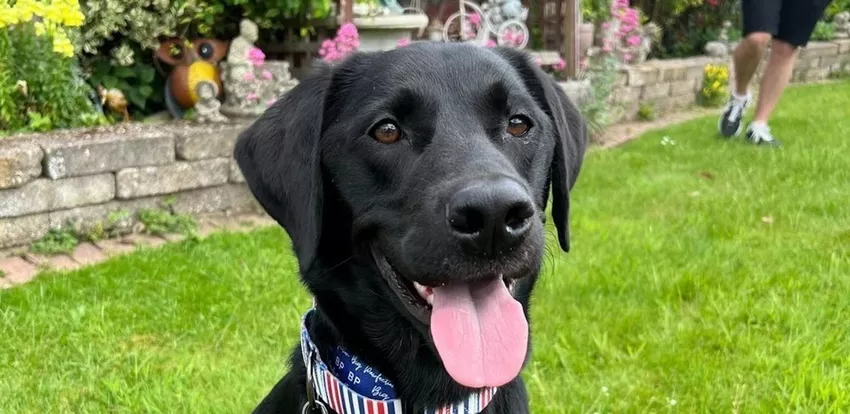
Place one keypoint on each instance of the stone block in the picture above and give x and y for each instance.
(682, 101)
(655, 91)
(626, 94)
(46, 195)
(230, 197)
(626, 112)
(146, 181)
(106, 153)
(63, 262)
(22, 230)
(673, 70)
(88, 254)
(695, 66)
(87, 217)
(622, 79)
(20, 163)
(235, 173)
(843, 46)
(207, 142)
(577, 91)
(817, 49)
(112, 247)
(17, 270)
(640, 75)
(809, 62)
(816, 74)
(828, 61)
(681, 87)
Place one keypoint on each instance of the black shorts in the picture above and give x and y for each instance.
(791, 21)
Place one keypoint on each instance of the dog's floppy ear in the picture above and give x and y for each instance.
(570, 141)
(279, 155)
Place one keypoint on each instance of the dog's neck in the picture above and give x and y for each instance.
(348, 384)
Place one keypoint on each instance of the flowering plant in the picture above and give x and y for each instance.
(48, 18)
(41, 87)
(714, 84)
(346, 41)
(623, 31)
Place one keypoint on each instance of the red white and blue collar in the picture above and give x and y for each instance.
(350, 386)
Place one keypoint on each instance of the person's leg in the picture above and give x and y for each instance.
(797, 22)
(761, 22)
(746, 59)
(777, 74)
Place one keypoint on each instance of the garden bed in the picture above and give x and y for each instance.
(78, 178)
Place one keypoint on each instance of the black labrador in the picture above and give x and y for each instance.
(413, 185)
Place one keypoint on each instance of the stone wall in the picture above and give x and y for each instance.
(674, 84)
(79, 177)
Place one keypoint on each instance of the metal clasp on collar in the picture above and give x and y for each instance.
(312, 406)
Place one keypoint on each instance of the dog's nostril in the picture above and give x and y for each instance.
(517, 217)
(491, 216)
(467, 220)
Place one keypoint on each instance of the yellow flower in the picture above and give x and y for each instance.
(715, 85)
(62, 45)
(40, 29)
(27, 9)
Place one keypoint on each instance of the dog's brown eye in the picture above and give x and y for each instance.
(386, 132)
(518, 126)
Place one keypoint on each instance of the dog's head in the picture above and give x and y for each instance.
(431, 167)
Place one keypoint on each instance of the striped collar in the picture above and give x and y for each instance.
(350, 386)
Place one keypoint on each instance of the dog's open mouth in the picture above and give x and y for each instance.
(478, 328)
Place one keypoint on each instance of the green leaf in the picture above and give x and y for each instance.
(146, 91)
(147, 74)
(124, 72)
(110, 81)
(136, 98)
(272, 13)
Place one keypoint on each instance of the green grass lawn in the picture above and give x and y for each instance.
(705, 276)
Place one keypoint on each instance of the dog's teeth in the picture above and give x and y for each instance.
(425, 292)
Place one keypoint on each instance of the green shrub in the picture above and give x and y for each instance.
(824, 31)
(118, 26)
(55, 242)
(646, 112)
(165, 220)
(139, 82)
(595, 11)
(689, 24)
(39, 88)
(835, 7)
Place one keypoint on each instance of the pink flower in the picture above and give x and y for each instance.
(627, 57)
(490, 43)
(402, 42)
(538, 61)
(271, 102)
(252, 96)
(347, 30)
(606, 48)
(267, 75)
(475, 19)
(256, 56)
(560, 65)
(249, 76)
(633, 40)
(606, 25)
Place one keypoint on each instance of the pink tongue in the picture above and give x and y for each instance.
(480, 332)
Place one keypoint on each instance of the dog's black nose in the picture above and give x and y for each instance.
(491, 217)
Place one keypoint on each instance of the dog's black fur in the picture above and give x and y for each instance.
(313, 166)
